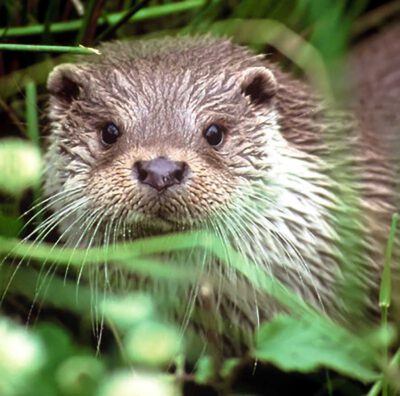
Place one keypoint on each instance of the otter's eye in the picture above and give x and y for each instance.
(214, 135)
(109, 134)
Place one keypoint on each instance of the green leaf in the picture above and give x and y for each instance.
(129, 310)
(79, 375)
(20, 166)
(153, 343)
(10, 226)
(229, 367)
(57, 343)
(137, 383)
(385, 287)
(293, 344)
(205, 370)
(21, 357)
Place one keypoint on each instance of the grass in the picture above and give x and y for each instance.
(48, 48)
(156, 11)
(51, 357)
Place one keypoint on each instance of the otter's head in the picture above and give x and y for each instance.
(158, 136)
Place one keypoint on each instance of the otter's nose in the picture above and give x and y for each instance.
(161, 173)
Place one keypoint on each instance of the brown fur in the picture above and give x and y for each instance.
(294, 187)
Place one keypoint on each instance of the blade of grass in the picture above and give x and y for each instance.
(31, 112)
(126, 253)
(49, 48)
(51, 15)
(90, 21)
(58, 293)
(32, 130)
(276, 34)
(375, 18)
(14, 82)
(79, 8)
(385, 294)
(377, 388)
(142, 15)
(385, 288)
(125, 18)
(123, 251)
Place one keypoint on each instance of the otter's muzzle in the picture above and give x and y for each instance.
(160, 173)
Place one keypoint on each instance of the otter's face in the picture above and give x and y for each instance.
(156, 149)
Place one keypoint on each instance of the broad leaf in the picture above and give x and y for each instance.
(293, 344)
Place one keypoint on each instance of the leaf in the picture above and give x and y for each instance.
(293, 344)
(153, 343)
(139, 383)
(79, 375)
(127, 311)
(10, 226)
(205, 370)
(20, 166)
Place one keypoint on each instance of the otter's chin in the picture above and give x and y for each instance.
(145, 224)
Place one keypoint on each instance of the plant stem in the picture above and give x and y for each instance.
(31, 112)
(125, 18)
(88, 28)
(378, 385)
(48, 48)
(32, 129)
(143, 14)
(385, 293)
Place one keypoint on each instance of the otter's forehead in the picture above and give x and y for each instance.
(155, 86)
(172, 55)
(175, 103)
(161, 86)
(169, 84)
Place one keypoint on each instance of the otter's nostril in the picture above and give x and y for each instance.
(179, 173)
(141, 172)
(161, 173)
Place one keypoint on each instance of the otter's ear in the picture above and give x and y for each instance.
(65, 82)
(259, 84)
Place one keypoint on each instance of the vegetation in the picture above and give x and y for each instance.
(79, 341)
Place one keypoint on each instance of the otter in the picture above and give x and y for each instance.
(198, 133)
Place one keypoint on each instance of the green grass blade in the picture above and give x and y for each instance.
(125, 18)
(144, 14)
(57, 293)
(385, 288)
(33, 132)
(130, 256)
(48, 48)
(293, 46)
(31, 112)
(50, 16)
(385, 294)
(90, 18)
(11, 83)
(377, 387)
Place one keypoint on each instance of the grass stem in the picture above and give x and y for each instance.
(385, 294)
(48, 48)
(125, 18)
(31, 112)
(142, 15)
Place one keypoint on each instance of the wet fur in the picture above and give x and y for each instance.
(296, 187)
